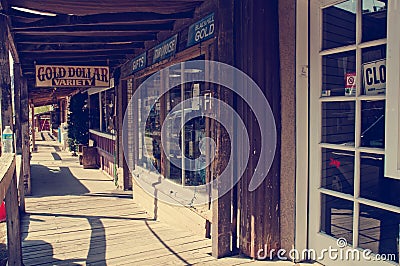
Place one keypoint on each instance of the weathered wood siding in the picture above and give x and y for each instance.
(257, 54)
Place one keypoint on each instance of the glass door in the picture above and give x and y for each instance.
(353, 208)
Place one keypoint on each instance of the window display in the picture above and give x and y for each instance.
(168, 111)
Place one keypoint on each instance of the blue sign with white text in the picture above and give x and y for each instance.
(165, 49)
(139, 62)
(201, 30)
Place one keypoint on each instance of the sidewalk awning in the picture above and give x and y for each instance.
(98, 33)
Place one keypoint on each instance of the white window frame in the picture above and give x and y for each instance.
(392, 143)
(316, 239)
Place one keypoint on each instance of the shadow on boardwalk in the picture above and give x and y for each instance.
(76, 217)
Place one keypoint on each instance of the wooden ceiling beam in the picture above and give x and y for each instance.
(103, 19)
(101, 28)
(104, 39)
(79, 7)
(30, 67)
(79, 34)
(88, 55)
(79, 52)
(17, 13)
(76, 47)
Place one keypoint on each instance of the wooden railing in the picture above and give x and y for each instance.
(104, 141)
(12, 191)
(105, 144)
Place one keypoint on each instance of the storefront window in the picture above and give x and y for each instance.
(374, 20)
(374, 185)
(94, 115)
(353, 188)
(338, 170)
(379, 231)
(108, 112)
(169, 110)
(149, 151)
(335, 69)
(337, 217)
(373, 124)
(339, 25)
(338, 122)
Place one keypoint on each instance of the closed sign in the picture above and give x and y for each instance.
(374, 77)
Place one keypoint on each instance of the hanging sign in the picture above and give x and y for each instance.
(139, 62)
(72, 76)
(201, 30)
(165, 49)
(374, 79)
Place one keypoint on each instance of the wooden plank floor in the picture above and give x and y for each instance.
(75, 217)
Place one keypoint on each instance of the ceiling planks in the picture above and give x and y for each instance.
(104, 19)
(96, 28)
(39, 48)
(88, 33)
(102, 39)
(78, 7)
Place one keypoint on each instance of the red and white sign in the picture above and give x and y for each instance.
(350, 88)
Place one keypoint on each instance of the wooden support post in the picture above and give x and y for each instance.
(122, 102)
(13, 224)
(26, 153)
(33, 127)
(221, 207)
(17, 107)
(257, 54)
(5, 80)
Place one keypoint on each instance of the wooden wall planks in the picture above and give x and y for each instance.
(257, 54)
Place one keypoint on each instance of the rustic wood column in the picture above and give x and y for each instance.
(26, 153)
(5, 80)
(17, 107)
(33, 127)
(122, 102)
(257, 54)
(19, 135)
(221, 207)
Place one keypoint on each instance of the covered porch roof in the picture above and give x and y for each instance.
(98, 33)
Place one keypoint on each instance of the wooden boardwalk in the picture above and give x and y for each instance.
(75, 217)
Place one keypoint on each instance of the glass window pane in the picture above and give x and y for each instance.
(379, 231)
(173, 172)
(374, 19)
(195, 131)
(373, 124)
(374, 70)
(338, 123)
(109, 109)
(339, 25)
(374, 185)
(337, 217)
(338, 170)
(149, 152)
(94, 111)
(336, 69)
